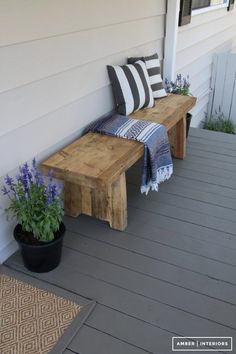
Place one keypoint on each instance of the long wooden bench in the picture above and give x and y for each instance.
(93, 167)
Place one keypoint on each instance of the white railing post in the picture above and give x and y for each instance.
(171, 32)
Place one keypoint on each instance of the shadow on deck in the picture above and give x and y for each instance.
(172, 272)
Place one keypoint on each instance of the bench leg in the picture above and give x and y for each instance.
(108, 204)
(177, 137)
(72, 199)
(118, 219)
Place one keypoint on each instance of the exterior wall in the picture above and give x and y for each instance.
(53, 57)
(208, 33)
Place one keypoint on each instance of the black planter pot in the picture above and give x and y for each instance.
(43, 257)
(188, 122)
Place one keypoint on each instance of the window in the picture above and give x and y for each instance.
(200, 4)
(189, 8)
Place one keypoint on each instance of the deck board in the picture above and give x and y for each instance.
(176, 253)
(187, 202)
(92, 341)
(220, 150)
(198, 162)
(210, 156)
(192, 217)
(173, 270)
(153, 268)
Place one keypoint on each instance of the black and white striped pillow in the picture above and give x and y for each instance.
(131, 87)
(154, 71)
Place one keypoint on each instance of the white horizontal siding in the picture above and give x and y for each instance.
(221, 41)
(48, 93)
(200, 110)
(24, 20)
(207, 34)
(197, 33)
(54, 82)
(200, 78)
(37, 99)
(58, 54)
(7, 246)
(32, 139)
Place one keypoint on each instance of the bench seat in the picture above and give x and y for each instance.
(93, 167)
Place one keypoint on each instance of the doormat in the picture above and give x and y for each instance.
(34, 320)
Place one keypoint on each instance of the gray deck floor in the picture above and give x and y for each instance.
(172, 272)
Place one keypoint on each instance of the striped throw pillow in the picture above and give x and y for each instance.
(131, 87)
(154, 71)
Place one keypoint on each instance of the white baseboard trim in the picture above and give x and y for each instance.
(8, 250)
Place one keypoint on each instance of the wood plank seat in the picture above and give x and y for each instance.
(93, 167)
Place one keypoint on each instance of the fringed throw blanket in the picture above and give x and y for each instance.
(157, 162)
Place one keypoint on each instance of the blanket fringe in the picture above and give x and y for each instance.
(163, 174)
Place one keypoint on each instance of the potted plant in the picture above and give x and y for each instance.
(37, 206)
(181, 86)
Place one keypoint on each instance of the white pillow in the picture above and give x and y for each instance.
(131, 87)
(154, 71)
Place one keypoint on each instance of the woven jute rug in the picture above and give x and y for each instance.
(33, 320)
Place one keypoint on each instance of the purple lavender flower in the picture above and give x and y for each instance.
(51, 193)
(26, 177)
(25, 168)
(179, 86)
(30, 195)
(48, 195)
(26, 171)
(38, 177)
(8, 180)
(25, 182)
(5, 191)
(34, 163)
(179, 79)
(12, 188)
(54, 191)
(48, 192)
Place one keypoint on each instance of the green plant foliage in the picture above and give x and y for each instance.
(219, 123)
(37, 205)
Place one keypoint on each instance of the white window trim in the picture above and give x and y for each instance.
(209, 8)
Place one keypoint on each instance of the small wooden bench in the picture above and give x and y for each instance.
(93, 167)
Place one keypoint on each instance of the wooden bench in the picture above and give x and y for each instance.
(93, 167)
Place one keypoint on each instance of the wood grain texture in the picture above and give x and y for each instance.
(119, 204)
(72, 199)
(167, 111)
(94, 160)
(93, 166)
(179, 144)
